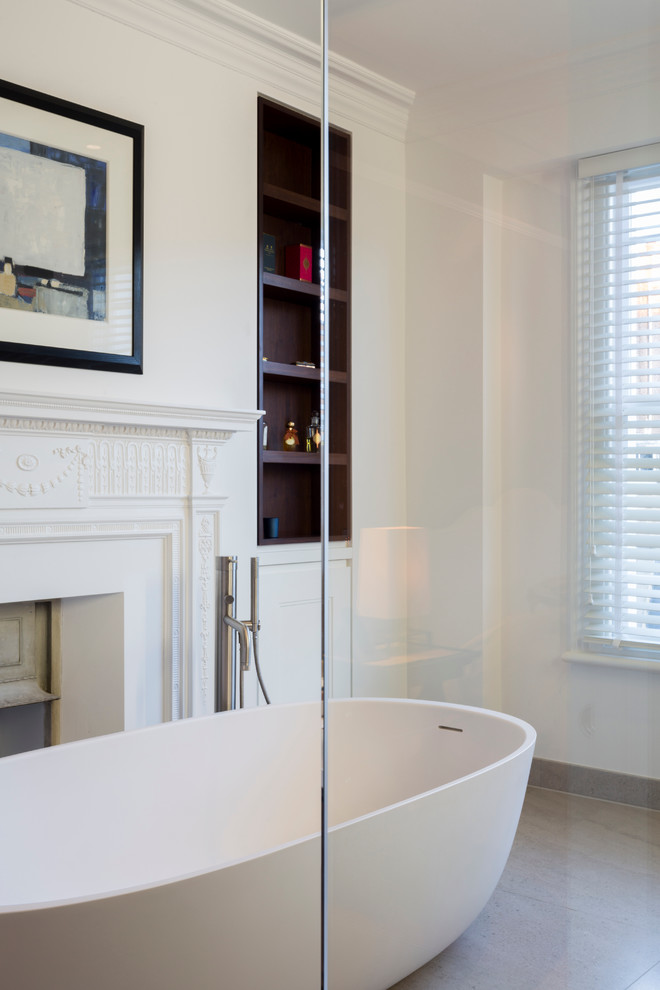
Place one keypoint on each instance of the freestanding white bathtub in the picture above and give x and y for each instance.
(188, 854)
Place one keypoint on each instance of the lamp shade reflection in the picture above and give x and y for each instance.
(393, 572)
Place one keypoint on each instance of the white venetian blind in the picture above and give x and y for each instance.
(619, 399)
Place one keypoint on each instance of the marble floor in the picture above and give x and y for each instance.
(577, 908)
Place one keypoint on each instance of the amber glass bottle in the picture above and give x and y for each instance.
(290, 440)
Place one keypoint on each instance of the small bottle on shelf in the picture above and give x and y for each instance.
(316, 432)
(290, 440)
(309, 440)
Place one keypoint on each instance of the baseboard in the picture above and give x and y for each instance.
(643, 792)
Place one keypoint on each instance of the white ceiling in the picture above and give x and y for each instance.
(430, 44)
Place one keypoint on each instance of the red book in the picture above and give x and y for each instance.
(299, 262)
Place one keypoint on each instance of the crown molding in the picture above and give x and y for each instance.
(224, 33)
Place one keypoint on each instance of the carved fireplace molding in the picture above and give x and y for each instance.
(78, 470)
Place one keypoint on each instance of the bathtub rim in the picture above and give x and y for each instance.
(529, 740)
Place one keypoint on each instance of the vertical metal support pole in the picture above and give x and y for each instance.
(324, 327)
(225, 667)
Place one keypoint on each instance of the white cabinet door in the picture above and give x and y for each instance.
(290, 636)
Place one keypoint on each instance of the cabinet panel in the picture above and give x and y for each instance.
(338, 336)
(291, 151)
(291, 599)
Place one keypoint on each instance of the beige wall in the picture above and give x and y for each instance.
(489, 221)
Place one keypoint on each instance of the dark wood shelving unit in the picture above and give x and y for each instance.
(289, 170)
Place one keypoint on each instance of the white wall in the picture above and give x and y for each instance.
(200, 219)
(200, 207)
(200, 243)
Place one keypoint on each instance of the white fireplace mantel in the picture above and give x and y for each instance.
(101, 496)
(110, 412)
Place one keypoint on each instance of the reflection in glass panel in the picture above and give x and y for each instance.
(466, 537)
(185, 853)
(454, 471)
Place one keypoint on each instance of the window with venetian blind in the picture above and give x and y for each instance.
(619, 403)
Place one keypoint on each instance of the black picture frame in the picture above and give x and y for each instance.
(71, 255)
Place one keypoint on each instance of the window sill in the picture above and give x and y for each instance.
(603, 660)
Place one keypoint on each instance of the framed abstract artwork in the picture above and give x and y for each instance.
(71, 233)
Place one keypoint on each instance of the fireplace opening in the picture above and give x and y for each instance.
(61, 671)
(26, 694)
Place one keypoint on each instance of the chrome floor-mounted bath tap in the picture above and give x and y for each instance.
(230, 669)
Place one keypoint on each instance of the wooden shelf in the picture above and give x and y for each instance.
(289, 212)
(299, 458)
(281, 287)
(289, 205)
(274, 369)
